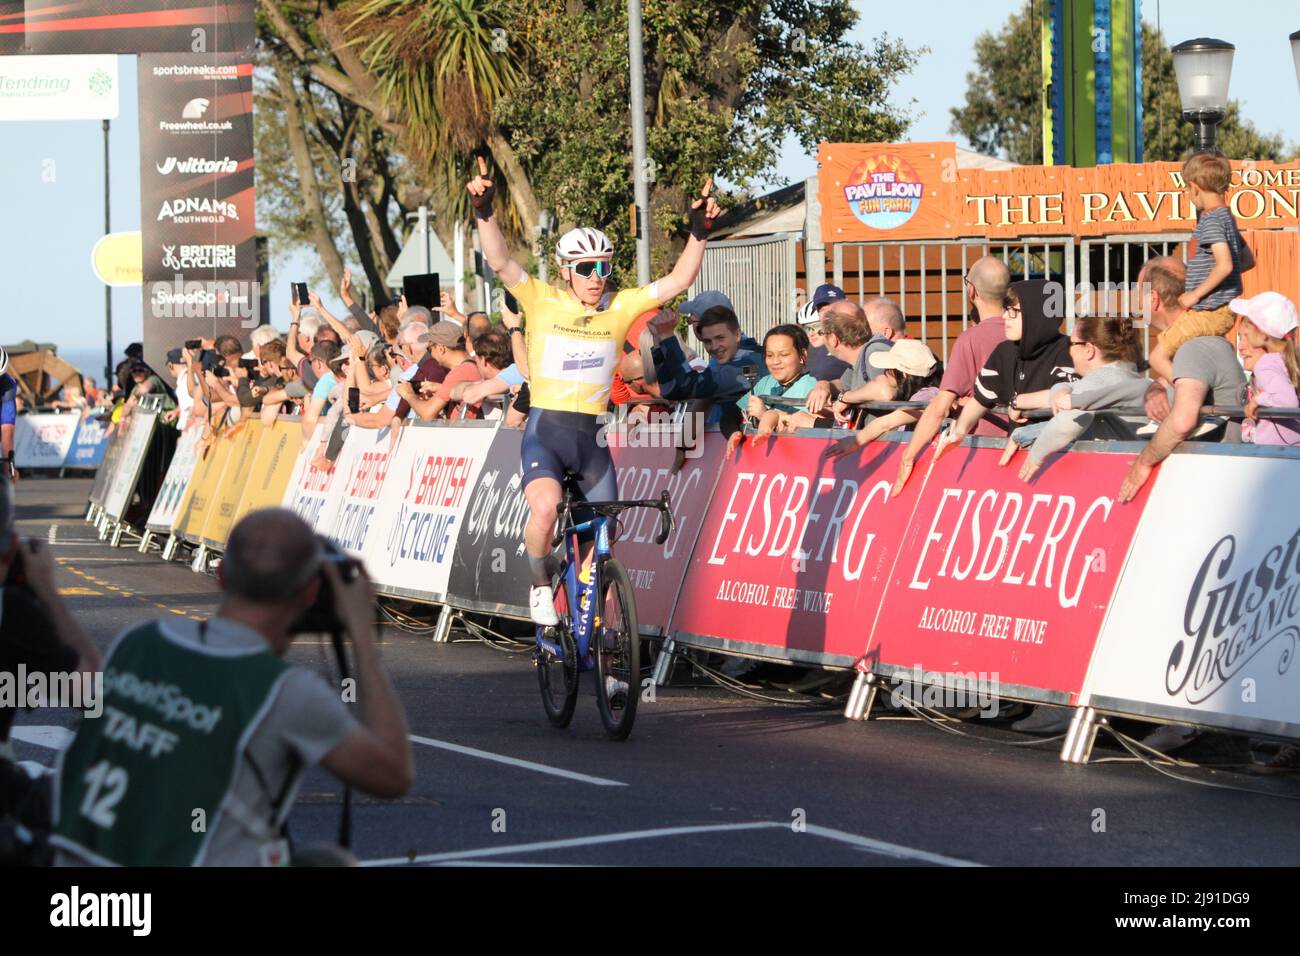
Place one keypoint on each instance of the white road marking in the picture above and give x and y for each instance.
(882, 847)
(48, 736)
(516, 762)
(566, 844)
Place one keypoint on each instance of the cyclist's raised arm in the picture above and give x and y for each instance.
(495, 249)
(704, 211)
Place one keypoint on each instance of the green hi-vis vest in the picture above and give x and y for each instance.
(177, 720)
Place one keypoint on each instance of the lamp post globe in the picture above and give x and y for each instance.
(1203, 67)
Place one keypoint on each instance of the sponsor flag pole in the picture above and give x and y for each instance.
(108, 289)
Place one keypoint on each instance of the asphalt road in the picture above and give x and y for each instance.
(707, 777)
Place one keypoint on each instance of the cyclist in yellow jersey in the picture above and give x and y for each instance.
(574, 343)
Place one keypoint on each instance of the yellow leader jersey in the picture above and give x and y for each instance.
(573, 351)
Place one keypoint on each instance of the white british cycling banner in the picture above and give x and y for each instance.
(313, 492)
(42, 439)
(1206, 622)
(407, 534)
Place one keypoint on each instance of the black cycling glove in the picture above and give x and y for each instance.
(483, 204)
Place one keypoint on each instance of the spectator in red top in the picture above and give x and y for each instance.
(986, 289)
(446, 342)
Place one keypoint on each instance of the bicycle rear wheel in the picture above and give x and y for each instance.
(618, 653)
(558, 679)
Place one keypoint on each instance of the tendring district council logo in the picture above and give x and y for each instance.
(884, 191)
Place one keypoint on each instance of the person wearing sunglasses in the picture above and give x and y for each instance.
(573, 345)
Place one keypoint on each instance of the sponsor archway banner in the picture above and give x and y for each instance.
(133, 26)
(411, 529)
(489, 566)
(794, 552)
(1006, 580)
(196, 198)
(656, 570)
(42, 439)
(1205, 626)
(179, 473)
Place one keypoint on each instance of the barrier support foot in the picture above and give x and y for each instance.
(861, 697)
(90, 513)
(663, 671)
(101, 527)
(442, 632)
(169, 549)
(1081, 736)
(145, 540)
(200, 562)
(116, 541)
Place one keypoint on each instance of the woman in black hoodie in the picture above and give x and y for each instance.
(1021, 371)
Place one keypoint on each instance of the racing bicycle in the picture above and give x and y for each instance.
(598, 627)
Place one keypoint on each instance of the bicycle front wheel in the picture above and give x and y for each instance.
(558, 679)
(618, 653)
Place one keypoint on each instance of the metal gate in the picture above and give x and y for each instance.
(927, 278)
(1109, 267)
(758, 275)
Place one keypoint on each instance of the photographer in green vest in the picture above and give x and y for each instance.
(206, 730)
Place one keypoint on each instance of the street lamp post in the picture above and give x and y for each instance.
(1295, 54)
(1203, 67)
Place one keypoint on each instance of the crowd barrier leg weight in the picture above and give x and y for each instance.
(861, 697)
(663, 669)
(1081, 736)
(442, 632)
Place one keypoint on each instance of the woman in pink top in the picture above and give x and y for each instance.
(1269, 323)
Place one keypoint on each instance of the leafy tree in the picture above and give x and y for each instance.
(1003, 110)
(541, 87)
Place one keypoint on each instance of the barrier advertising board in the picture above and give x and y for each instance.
(89, 445)
(656, 570)
(172, 493)
(411, 530)
(1006, 579)
(794, 552)
(42, 439)
(126, 475)
(221, 513)
(1205, 625)
(272, 468)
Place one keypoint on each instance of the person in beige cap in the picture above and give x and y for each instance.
(910, 372)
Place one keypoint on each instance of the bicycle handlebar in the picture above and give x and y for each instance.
(612, 509)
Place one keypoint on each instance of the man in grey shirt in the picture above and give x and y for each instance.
(250, 723)
(1206, 371)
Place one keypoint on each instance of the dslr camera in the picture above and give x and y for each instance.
(322, 617)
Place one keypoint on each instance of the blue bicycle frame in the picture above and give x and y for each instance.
(585, 620)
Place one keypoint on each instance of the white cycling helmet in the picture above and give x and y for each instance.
(583, 243)
(4, 361)
(808, 315)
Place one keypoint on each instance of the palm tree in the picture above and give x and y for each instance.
(440, 67)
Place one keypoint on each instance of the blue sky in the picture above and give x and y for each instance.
(50, 227)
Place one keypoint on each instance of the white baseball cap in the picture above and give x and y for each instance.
(1272, 312)
(909, 356)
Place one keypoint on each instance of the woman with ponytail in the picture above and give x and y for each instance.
(1105, 353)
(1268, 323)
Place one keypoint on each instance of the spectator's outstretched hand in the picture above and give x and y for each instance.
(481, 191)
(704, 212)
(1137, 476)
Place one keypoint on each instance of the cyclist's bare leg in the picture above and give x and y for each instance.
(543, 496)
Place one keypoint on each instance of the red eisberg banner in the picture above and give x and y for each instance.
(656, 570)
(795, 551)
(1005, 579)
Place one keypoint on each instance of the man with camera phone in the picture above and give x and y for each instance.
(207, 730)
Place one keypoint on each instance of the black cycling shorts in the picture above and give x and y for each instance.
(558, 442)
